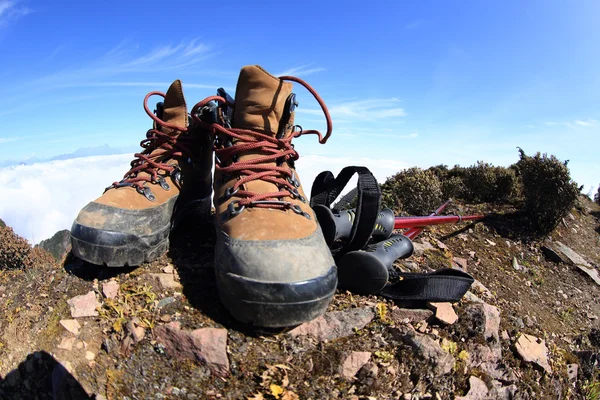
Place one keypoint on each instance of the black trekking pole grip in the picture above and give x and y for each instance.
(339, 226)
(366, 271)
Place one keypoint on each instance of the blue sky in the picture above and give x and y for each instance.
(419, 83)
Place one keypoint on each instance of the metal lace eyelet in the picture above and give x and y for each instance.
(292, 179)
(298, 210)
(229, 192)
(176, 174)
(147, 192)
(296, 195)
(232, 210)
(163, 184)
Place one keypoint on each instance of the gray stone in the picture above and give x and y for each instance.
(427, 349)
(477, 390)
(515, 264)
(481, 354)
(58, 245)
(165, 302)
(335, 324)
(421, 247)
(591, 272)
(500, 392)
(572, 371)
(552, 255)
(492, 322)
(571, 256)
(471, 298)
(479, 288)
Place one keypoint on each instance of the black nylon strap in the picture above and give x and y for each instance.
(444, 285)
(326, 189)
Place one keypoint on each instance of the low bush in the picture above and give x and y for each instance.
(548, 191)
(413, 191)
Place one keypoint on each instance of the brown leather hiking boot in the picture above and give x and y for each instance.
(273, 267)
(168, 181)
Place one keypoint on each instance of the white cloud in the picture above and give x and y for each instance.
(10, 11)
(122, 59)
(8, 139)
(302, 70)
(40, 199)
(589, 122)
(361, 110)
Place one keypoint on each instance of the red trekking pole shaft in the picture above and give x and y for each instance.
(419, 222)
(413, 232)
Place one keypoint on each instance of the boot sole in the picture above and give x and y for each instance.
(118, 249)
(275, 304)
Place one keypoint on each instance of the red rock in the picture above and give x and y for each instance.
(441, 245)
(110, 289)
(461, 262)
(534, 350)
(84, 305)
(67, 343)
(444, 312)
(204, 345)
(72, 325)
(166, 281)
(477, 390)
(335, 324)
(410, 314)
(353, 362)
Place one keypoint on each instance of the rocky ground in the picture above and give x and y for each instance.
(528, 329)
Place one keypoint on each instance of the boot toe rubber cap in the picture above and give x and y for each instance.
(275, 283)
(111, 236)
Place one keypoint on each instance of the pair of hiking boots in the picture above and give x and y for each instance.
(272, 265)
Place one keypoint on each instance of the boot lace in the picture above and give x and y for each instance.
(278, 150)
(159, 148)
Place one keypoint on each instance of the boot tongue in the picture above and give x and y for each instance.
(175, 109)
(259, 100)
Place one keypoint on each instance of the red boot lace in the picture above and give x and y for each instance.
(157, 146)
(257, 168)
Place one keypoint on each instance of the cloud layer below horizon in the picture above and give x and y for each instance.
(40, 199)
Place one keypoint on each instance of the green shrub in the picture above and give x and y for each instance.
(548, 191)
(413, 190)
(480, 182)
(453, 188)
(485, 183)
(597, 196)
